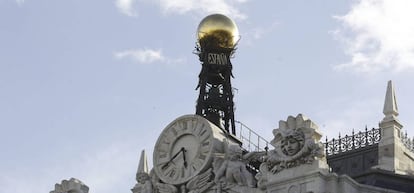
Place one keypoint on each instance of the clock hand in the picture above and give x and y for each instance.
(185, 161)
(172, 158)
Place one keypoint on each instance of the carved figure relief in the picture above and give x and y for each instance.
(144, 184)
(292, 143)
(295, 142)
(231, 171)
(166, 188)
(71, 186)
(200, 183)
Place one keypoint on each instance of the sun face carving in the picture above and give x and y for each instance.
(296, 142)
(291, 135)
(291, 144)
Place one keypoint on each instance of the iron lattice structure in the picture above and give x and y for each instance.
(215, 101)
(408, 142)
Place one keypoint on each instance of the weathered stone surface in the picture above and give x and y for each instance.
(296, 142)
(393, 155)
(297, 164)
(144, 184)
(293, 174)
(231, 170)
(70, 186)
(315, 178)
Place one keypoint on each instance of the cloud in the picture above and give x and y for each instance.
(141, 55)
(228, 7)
(125, 6)
(259, 32)
(378, 35)
(147, 56)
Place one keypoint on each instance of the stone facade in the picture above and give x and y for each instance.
(299, 176)
(296, 163)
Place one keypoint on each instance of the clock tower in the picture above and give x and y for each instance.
(188, 147)
(217, 38)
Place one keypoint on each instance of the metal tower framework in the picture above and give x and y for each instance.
(215, 101)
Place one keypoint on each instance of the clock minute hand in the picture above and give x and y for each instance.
(172, 158)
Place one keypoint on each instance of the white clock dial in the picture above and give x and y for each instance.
(184, 149)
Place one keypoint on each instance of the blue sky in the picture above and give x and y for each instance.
(86, 85)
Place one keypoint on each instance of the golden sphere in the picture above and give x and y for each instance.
(218, 29)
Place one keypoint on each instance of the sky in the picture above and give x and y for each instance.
(85, 86)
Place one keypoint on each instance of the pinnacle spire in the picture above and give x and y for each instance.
(143, 163)
(390, 105)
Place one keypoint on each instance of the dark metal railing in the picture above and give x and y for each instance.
(408, 142)
(353, 142)
(251, 140)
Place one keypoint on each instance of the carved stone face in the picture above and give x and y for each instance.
(290, 146)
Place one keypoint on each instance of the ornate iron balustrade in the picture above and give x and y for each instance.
(408, 142)
(250, 139)
(355, 141)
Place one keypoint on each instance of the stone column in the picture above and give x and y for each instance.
(143, 184)
(392, 154)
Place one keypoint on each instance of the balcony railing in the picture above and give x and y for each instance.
(408, 142)
(353, 142)
(251, 140)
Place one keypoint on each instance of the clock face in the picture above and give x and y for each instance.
(183, 149)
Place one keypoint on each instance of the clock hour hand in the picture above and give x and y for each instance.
(185, 161)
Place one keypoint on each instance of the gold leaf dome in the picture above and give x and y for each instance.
(218, 30)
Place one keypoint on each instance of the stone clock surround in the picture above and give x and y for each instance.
(186, 148)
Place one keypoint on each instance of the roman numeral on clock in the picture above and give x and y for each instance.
(205, 143)
(202, 132)
(171, 173)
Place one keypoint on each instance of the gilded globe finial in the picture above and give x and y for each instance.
(217, 30)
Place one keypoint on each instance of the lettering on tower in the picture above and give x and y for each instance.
(217, 58)
(217, 39)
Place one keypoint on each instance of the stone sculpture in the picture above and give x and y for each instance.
(296, 142)
(144, 184)
(71, 186)
(166, 188)
(200, 183)
(231, 170)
